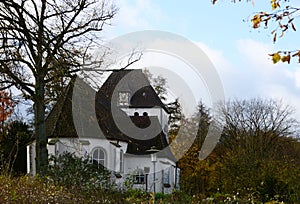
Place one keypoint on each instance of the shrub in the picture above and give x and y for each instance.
(178, 197)
(73, 172)
(34, 190)
(137, 196)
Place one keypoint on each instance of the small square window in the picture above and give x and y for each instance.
(139, 177)
(123, 99)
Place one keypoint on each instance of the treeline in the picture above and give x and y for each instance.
(14, 136)
(257, 156)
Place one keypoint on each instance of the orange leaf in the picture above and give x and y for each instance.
(286, 58)
(297, 53)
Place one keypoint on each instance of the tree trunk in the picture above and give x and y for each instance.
(40, 128)
(41, 137)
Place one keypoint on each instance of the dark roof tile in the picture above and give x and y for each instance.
(136, 83)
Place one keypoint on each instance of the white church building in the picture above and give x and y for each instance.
(117, 126)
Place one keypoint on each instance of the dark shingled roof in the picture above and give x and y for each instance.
(60, 123)
(135, 82)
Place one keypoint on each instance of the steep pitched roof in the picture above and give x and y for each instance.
(60, 121)
(135, 82)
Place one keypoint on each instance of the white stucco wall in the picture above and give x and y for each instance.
(155, 111)
(84, 147)
(133, 163)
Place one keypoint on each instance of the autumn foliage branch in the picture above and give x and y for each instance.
(284, 20)
(6, 106)
(279, 20)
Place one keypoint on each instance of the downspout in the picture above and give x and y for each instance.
(176, 167)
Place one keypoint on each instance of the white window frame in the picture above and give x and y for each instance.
(139, 177)
(123, 101)
(99, 160)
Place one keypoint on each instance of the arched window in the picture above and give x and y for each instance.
(99, 156)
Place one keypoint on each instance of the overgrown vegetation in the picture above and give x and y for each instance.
(70, 171)
(36, 190)
(257, 157)
(69, 179)
(257, 160)
(14, 137)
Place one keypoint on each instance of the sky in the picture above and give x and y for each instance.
(223, 31)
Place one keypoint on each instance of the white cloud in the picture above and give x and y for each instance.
(230, 75)
(224, 67)
(248, 72)
(255, 54)
(297, 77)
(217, 58)
(280, 81)
(137, 14)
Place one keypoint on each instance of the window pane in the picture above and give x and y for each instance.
(95, 154)
(99, 156)
(166, 176)
(140, 177)
(123, 98)
(101, 162)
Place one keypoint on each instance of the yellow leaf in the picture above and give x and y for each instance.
(276, 58)
(275, 4)
(256, 21)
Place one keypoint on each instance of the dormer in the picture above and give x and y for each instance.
(123, 98)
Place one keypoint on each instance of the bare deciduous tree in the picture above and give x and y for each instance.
(257, 143)
(256, 125)
(41, 42)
